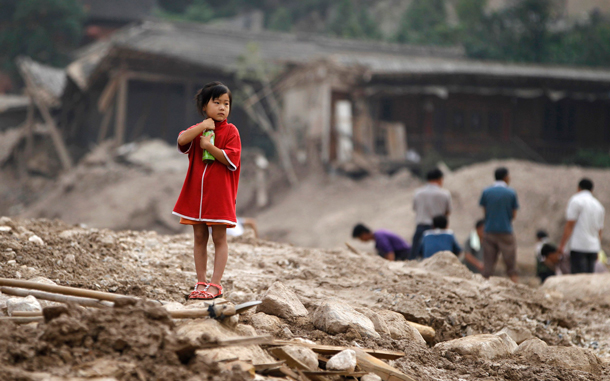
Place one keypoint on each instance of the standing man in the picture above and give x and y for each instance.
(500, 206)
(429, 201)
(585, 221)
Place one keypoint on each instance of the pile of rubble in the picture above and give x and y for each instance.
(325, 314)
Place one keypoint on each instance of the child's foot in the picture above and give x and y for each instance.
(213, 291)
(199, 292)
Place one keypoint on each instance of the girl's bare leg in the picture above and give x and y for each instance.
(219, 236)
(201, 252)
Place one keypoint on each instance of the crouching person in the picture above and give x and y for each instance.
(439, 239)
(389, 245)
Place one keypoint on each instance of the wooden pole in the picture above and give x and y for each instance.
(58, 141)
(63, 290)
(103, 131)
(371, 364)
(56, 297)
(121, 110)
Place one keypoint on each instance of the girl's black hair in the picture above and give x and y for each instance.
(212, 90)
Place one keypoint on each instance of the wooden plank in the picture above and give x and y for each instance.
(64, 290)
(428, 333)
(107, 96)
(331, 350)
(237, 341)
(371, 364)
(56, 297)
(295, 363)
(23, 320)
(120, 120)
(104, 126)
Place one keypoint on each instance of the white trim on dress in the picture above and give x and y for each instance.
(205, 219)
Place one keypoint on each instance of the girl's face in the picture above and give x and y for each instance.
(219, 108)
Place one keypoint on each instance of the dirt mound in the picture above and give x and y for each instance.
(436, 293)
(128, 342)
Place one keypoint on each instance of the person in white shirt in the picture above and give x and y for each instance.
(585, 221)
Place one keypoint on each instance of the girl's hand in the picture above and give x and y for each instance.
(205, 141)
(208, 124)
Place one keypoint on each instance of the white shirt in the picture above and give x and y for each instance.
(431, 201)
(589, 216)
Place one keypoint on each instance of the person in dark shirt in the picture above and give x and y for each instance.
(389, 245)
(439, 239)
(550, 258)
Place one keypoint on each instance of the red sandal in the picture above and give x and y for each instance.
(209, 295)
(199, 294)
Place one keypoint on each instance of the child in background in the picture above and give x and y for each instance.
(550, 258)
(389, 245)
(207, 199)
(473, 252)
(439, 239)
(542, 237)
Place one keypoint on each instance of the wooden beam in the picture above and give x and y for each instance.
(120, 121)
(155, 77)
(371, 364)
(428, 333)
(332, 350)
(55, 297)
(105, 125)
(108, 94)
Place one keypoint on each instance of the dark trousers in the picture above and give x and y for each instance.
(419, 233)
(582, 262)
(399, 255)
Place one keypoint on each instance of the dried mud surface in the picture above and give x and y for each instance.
(136, 339)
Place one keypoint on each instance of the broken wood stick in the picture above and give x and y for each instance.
(353, 249)
(65, 290)
(240, 341)
(371, 364)
(428, 333)
(332, 350)
(23, 320)
(295, 363)
(88, 302)
(26, 313)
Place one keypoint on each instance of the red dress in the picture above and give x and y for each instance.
(210, 189)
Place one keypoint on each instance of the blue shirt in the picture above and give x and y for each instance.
(499, 202)
(387, 242)
(439, 240)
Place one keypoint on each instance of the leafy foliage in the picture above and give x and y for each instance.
(353, 21)
(425, 22)
(45, 30)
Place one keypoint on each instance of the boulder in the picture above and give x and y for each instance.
(593, 288)
(263, 322)
(29, 303)
(280, 301)
(37, 240)
(399, 328)
(344, 361)
(334, 317)
(214, 330)
(447, 263)
(566, 357)
(413, 309)
(483, 346)
(378, 322)
(305, 355)
(518, 334)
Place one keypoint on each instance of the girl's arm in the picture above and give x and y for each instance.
(189, 135)
(207, 145)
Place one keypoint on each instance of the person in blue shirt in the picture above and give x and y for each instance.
(389, 245)
(500, 205)
(439, 239)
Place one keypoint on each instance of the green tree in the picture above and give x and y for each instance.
(45, 30)
(425, 22)
(199, 11)
(281, 19)
(353, 22)
(174, 6)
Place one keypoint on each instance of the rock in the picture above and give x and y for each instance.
(447, 263)
(70, 258)
(344, 360)
(483, 346)
(43, 280)
(370, 377)
(28, 303)
(5, 229)
(399, 328)
(107, 240)
(37, 240)
(378, 322)
(508, 340)
(282, 302)
(593, 288)
(213, 329)
(71, 233)
(305, 355)
(566, 357)
(304, 341)
(174, 306)
(245, 330)
(413, 310)
(518, 334)
(263, 322)
(335, 317)
(239, 297)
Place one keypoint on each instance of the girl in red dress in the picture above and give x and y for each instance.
(208, 195)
